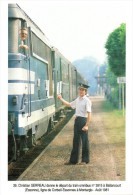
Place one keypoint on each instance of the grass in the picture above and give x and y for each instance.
(114, 123)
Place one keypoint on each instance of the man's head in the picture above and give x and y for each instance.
(82, 89)
(23, 33)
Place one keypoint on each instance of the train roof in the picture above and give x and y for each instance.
(62, 56)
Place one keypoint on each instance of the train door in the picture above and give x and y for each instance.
(24, 49)
(57, 79)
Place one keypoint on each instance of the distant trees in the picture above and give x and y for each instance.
(88, 67)
(116, 50)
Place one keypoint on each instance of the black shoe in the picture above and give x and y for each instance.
(83, 163)
(69, 163)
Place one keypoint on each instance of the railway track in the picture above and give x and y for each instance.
(16, 168)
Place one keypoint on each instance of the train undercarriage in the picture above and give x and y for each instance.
(18, 145)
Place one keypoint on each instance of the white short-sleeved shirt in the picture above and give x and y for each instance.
(82, 106)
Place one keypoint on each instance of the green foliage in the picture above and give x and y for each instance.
(111, 78)
(115, 96)
(109, 107)
(116, 50)
(112, 87)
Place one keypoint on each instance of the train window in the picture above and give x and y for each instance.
(65, 72)
(39, 48)
(43, 52)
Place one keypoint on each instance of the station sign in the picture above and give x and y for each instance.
(121, 80)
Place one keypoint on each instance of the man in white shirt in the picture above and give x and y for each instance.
(82, 106)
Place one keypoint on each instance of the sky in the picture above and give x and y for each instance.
(78, 28)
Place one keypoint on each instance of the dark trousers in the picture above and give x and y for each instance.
(80, 135)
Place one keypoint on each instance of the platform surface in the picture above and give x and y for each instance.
(50, 163)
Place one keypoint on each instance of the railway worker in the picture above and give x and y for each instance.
(82, 106)
(23, 33)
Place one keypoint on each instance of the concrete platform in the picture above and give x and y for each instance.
(50, 163)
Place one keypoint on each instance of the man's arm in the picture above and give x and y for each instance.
(85, 128)
(63, 101)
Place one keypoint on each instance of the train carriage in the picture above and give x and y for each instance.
(30, 78)
(37, 72)
(63, 82)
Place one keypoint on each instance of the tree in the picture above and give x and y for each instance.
(116, 50)
(111, 87)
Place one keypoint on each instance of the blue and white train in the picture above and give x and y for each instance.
(37, 72)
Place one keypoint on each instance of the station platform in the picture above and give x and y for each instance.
(50, 163)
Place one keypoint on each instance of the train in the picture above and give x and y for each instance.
(37, 72)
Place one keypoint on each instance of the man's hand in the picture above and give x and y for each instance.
(24, 46)
(63, 101)
(85, 128)
(59, 96)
